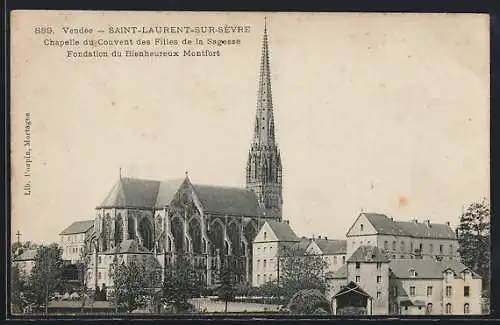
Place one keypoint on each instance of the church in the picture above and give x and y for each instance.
(211, 224)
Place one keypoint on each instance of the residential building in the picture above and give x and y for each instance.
(25, 261)
(269, 246)
(100, 265)
(379, 286)
(333, 251)
(403, 239)
(368, 269)
(427, 287)
(73, 239)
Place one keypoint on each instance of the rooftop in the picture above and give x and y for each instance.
(78, 227)
(425, 269)
(283, 231)
(368, 254)
(388, 226)
(331, 246)
(150, 194)
(129, 246)
(27, 255)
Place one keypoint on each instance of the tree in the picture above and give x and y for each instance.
(309, 301)
(298, 271)
(226, 288)
(130, 285)
(181, 283)
(46, 275)
(18, 286)
(83, 268)
(474, 239)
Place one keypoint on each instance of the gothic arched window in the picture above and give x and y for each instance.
(146, 231)
(131, 228)
(118, 229)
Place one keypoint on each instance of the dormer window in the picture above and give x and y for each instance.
(449, 275)
(412, 272)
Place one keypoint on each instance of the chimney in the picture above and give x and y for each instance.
(428, 222)
(287, 222)
(415, 220)
(326, 238)
(392, 219)
(319, 237)
(448, 223)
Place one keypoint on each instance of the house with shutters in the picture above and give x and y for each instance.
(377, 285)
(428, 287)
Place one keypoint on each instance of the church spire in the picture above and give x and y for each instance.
(264, 168)
(264, 122)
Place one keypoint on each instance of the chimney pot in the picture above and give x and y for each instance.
(319, 237)
(447, 223)
(326, 238)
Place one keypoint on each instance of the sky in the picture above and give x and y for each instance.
(383, 113)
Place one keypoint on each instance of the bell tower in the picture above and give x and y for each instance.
(264, 169)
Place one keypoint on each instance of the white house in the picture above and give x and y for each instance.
(403, 239)
(269, 245)
(332, 250)
(73, 238)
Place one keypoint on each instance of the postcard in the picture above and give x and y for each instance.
(249, 163)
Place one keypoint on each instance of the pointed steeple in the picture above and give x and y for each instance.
(264, 169)
(264, 122)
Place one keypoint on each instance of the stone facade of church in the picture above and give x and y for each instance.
(212, 224)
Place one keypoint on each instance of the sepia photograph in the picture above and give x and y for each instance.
(249, 163)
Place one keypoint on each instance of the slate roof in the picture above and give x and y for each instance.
(228, 200)
(341, 273)
(149, 194)
(387, 226)
(302, 244)
(368, 254)
(424, 268)
(132, 193)
(129, 246)
(78, 227)
(27, 255)
(422, 230)
(352, 287)
(283, 231)
(166, 192)
(296, 246)
(384, 225)
(331, 246)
